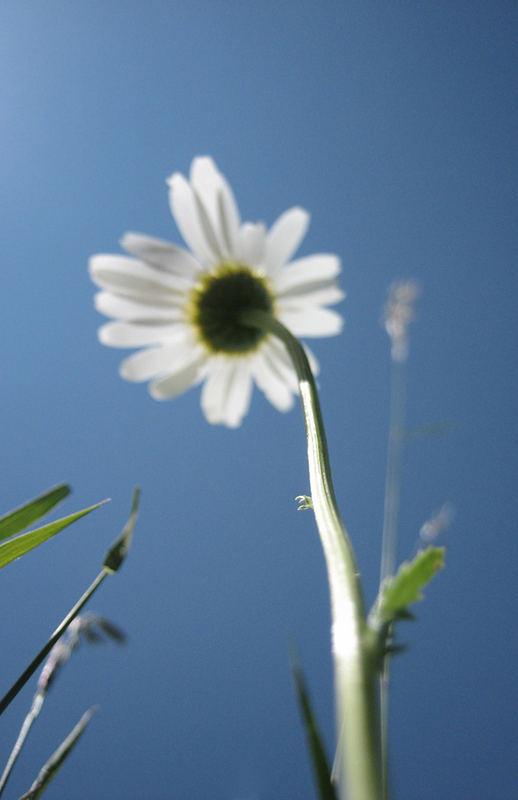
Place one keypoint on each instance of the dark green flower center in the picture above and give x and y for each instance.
(218, 303)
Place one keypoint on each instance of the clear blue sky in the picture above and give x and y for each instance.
(395, 125)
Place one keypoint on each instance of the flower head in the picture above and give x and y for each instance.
(184, 309)
(398, 314)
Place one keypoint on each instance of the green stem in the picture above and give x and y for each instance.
(20, 741)
(45, 650)
(393, 476)
(355, 679)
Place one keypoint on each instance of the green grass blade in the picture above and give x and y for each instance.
(28, 541)
(45, 650)
(57, 759)
(120, 548)
(15, 521)
(326, 790)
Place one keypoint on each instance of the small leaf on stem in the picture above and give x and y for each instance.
(405, 587)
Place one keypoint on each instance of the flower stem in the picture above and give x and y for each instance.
(355, 678)
(393, 477)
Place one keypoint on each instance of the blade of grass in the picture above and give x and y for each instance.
(20, 518)
(326, 790)
(58, 757)
(22, 544)
(83, 625)
(106, 570)
(45, 650)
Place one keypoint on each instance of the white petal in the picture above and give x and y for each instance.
(284, 237)
(218, 202)
(251, 243)
(313, 363)
(271, 382)
(283, 360)
(206, 182)
(282, 364)
(185, 211)
(309, 295)
(146, 364)
(312, 322)
(278, 357)
(162, 255)
(178, 381)
(229, 218)
(227, 391)
(144, 297)
(208, 229)
(127, 275)
(123, 308)
(312, 269)
(128, 334)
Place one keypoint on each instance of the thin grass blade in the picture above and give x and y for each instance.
(45, 650)
(326, 790)
(20, 518)
(58, 757)
(22, 544)
(119, 551)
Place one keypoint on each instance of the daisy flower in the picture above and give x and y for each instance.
(183, 309)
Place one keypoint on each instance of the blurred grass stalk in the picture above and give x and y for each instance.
(398, 313)
(59, 655)
(113, 560)
(58, 757)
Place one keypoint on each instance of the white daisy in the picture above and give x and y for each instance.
(183, 309)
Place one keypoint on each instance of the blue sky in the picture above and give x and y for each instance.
(394, 124)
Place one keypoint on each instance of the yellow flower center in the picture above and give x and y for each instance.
(216, 305)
